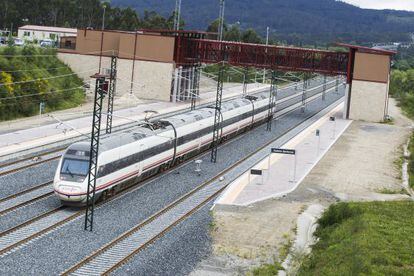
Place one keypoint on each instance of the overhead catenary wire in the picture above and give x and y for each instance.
(47, 78)
(37, 69)
(40, 94)
(53, 55)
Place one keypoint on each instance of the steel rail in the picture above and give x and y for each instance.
(13, 170)
(134, 230)
(26, 236)
(16, 205)
(121, 128)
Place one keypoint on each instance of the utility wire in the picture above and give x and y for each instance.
(53, 55)
(40, 94)
(48, 78)
(38, 69)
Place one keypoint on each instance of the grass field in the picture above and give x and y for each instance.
(411, 162)
(372, 238)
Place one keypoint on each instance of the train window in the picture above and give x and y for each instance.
(78, 152)
(75, 167)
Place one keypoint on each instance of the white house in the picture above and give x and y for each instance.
(38, 33)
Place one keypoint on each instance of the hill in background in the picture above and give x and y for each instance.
(294, 20)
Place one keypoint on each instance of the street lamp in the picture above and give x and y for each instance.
(104, 4)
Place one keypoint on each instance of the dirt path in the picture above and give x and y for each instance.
(362, 165)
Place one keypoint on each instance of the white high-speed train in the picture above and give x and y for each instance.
(138, 153)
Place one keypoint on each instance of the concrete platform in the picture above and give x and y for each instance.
(281, 173)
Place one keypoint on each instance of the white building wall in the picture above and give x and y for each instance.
(152, 80)
(40, 35)
(368, 101)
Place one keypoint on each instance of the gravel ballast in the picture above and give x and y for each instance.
(66, 246)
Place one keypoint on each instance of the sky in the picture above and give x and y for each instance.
(383, 4)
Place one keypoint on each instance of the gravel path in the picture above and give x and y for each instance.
(59, 250)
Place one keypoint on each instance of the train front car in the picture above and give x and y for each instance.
(70, 182)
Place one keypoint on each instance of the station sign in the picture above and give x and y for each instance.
(284, 151)
(256, 172)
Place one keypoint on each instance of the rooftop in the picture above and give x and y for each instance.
(49, 29)
(367, 49)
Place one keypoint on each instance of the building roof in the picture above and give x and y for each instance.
(49, 29)
(367, 49)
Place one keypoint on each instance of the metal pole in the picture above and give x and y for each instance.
(177, 15)
(102, 35)
(133, 63)
(268, 162)
(305, 86)
(174, 95)
(111, 94)
(245, 79)
(267, 43)
(295, 168)
(93, 154)
(180, 72)
(100, 55)
(196, 87)
(336, 84)
(272, 100)
(324, 88)
(221, 20)
(103, 17)
(217, 114)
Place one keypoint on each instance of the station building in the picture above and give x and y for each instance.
(37, 33)
(147, 68)
(369, 74)
(145, 65)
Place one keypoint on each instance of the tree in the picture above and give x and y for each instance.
(233, 33)
(214, 26)
(250, 36)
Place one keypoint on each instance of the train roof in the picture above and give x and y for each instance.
(204, 113)
(118, 139)
(115, 140)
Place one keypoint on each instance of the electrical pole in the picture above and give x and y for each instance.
(217, 114)
(221, 20)
(100, 91)
(177, 15)
(267, 44)
(111, 94)
(272, 101)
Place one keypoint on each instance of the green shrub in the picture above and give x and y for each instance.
(337, 214)
(267, 270)
(30, 80)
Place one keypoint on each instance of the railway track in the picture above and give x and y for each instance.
(11, 239)
(36, 193)
(26, 197)
(32, 229)
(28, 162)
(119, 251)
(44, 157)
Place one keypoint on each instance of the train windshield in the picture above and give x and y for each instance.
(75, 167)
